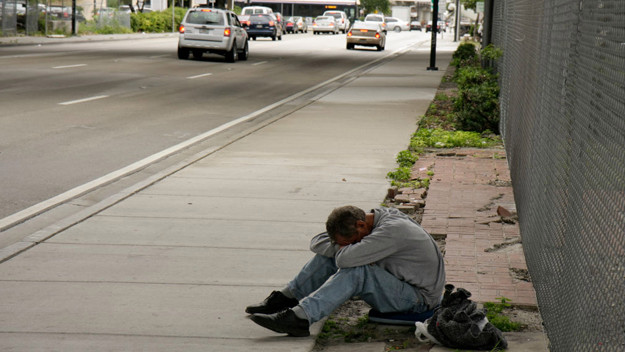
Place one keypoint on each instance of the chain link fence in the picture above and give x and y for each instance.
(8, 17)
(33, 17)
(562, 100)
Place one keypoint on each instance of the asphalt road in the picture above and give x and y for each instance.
(72, 113)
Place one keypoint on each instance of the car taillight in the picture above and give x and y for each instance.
(271, 23)
(349, 34)
(226, 32)
(377, 35)
(181, 29)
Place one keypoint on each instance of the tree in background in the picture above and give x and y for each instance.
(373, 6)
(470, 4)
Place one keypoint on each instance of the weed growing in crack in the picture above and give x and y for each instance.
(494, 314)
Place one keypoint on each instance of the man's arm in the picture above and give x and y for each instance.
(322, 245)
(369, 250)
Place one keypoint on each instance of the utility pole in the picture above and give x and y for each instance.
(434, 32)
(457, 22)
(487, 31)
(74, 29)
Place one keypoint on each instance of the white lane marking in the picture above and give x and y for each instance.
(259, 63)
(19, 56)
(198, 76)
(70, 66)
(84, 100)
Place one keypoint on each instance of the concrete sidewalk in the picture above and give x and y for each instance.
(171, 267)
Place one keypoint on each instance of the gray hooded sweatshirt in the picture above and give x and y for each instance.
(398, 244)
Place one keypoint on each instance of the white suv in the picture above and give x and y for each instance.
(377, 18)
(340, 18)
(214, 31)
(252, 10)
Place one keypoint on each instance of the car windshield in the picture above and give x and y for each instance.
(334, 14)
(205, 17)
(324, 18)
(374, 18)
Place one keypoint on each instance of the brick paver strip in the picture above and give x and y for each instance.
(461, 203)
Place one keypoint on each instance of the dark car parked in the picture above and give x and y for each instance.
(264, 25)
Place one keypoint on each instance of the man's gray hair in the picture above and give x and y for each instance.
(342, 221)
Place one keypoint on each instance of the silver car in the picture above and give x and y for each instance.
(325, 24)
(213, 31)
(366, 34)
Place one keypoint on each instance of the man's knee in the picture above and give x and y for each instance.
(356, 272)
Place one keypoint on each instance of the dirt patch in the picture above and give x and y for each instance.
(350, 324)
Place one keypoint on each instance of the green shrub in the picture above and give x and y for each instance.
(477, 103)
(470, 76)
(91, 27)
(439, 138)
(406, 158)
(156, 21)
(491, 52)
(402, 173)
(464, 55)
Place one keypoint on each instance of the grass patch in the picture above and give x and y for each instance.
(440, 138)
(361, 331)
(494, 314)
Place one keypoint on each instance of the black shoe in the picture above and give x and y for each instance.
(276, 302)
(285, 322)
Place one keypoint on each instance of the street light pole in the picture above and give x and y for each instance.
(457, 22)
(74, 29)
(434, 32)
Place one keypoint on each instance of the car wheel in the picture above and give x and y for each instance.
(280, 37)
(246, 52)
(397, 29)
(233, 54)
(379, 47)
(197, 54)
(253, 38)
(183, 53)
(350, 46)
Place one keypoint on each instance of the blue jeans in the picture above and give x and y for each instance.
(321, 287)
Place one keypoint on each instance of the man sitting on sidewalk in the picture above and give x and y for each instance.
(384, 257)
